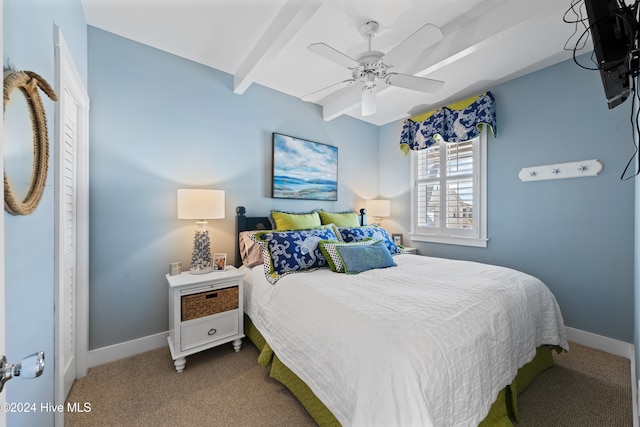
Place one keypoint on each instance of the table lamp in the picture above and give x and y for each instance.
(201, 204)
(378, 209)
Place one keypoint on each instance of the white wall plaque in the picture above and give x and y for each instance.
(578, 169)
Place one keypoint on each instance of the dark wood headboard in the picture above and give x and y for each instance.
(246, 223)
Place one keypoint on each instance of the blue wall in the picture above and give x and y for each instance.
(159, 123)
(574, 234)
(28, 41)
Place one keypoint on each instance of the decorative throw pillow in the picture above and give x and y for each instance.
(328, 249)
(250, 251)
(286, 252)
(357, 259)
(340, 219)
(356, 234)
(294, 221)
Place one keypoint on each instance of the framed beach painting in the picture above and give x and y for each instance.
(304, 169)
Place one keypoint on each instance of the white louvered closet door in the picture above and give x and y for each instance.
(72, 225)
(69, 201)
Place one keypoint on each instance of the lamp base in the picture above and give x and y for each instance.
(201, 261)
(200, 270)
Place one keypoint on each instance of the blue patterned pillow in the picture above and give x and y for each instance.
(357, 259)
(286, 252)
(357, 234)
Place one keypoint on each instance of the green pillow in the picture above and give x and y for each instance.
(295, 221)
(341, 219)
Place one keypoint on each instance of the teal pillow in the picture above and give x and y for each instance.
(357, 259)
(328, 249)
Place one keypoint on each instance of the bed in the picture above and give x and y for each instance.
(424, 342)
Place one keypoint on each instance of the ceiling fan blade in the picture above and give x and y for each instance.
(333, 55)
(315, 94)
(425, 37)
(369, 100)
(413, 82)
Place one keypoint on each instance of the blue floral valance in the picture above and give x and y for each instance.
(457, 122)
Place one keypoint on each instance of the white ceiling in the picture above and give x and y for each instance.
(486, 42)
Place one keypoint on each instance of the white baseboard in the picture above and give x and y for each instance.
(613, 346)
(152, 342)
(599, 342)
(125, 349)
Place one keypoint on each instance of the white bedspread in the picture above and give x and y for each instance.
(428, 343)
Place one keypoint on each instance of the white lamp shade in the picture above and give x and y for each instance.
(200, 204)
(378, 208)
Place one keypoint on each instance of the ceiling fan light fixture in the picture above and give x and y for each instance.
(369, 100)
(370, 79)
(371, 68)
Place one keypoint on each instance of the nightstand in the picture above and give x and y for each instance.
(409, 250)
(205, 310)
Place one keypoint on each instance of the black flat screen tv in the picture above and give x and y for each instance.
(613, 30)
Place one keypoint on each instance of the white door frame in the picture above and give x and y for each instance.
(3, 395)
(69, 85)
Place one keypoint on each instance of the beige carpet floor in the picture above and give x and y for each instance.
(585, 388)
(219, 387)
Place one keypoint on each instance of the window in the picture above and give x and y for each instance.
(449, 193)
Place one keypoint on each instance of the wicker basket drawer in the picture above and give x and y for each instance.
(199, 332)
(208, 303)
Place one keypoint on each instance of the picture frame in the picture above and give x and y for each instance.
(303, 169)
(175, 268)
(397, 239)
(219, 261)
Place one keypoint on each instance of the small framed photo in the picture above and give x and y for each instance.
(219, 262)
(397, 238)
(175, 268)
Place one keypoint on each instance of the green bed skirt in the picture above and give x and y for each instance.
(501, 414)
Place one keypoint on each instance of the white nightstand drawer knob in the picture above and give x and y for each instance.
(211, 331)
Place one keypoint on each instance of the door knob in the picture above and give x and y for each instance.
(30, 367)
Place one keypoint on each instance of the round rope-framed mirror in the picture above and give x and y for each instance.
(28, 82)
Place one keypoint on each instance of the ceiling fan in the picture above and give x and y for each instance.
(370, 68)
